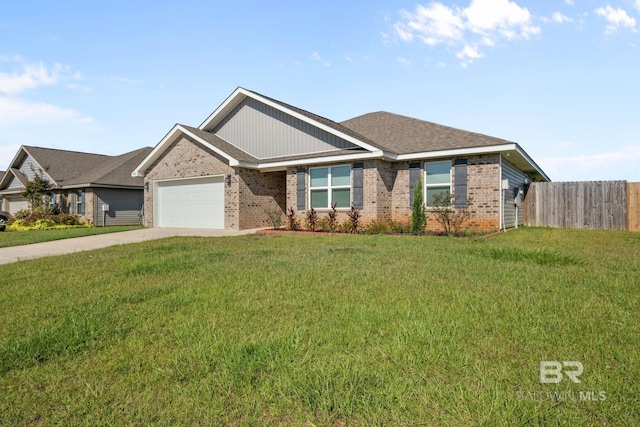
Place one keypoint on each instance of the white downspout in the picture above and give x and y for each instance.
(501, 194)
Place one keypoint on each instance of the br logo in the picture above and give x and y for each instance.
(551, 372)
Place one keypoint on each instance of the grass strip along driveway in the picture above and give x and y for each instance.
(326, 330)
(18, 238)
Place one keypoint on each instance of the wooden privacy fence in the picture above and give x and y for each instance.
(595, 205)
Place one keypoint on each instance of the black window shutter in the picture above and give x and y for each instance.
(460, 183)
(300, 190)
(414, 176)
(358, 192)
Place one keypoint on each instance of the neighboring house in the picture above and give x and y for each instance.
(97, 187)
(254, 154)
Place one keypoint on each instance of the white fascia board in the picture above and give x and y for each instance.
(532, 163)
(314, 161)
(231, 98)
(245, 93)
(166, 142)
(458, 152)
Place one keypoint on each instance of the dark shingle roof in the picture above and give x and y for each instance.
(403, 135)
(69, 168)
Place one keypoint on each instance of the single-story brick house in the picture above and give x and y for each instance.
(97, 187)
(255, 154)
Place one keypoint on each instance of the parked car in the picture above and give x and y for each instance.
(4, 217)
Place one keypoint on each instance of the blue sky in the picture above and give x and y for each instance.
(561, 78)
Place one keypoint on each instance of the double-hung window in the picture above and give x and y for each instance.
(80, 202)
(329, 185)
(437, 179)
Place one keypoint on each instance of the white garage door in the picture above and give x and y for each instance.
(190, 203)
(17, 204)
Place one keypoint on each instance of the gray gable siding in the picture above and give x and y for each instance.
(14, 184)
(516, 180)
(264, 132)
(30, 168)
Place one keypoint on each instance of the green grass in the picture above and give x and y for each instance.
(17, 238)
(325, 330)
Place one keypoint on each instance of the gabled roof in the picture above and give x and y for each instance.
(375, 135)
(405, 135)
(72, 169)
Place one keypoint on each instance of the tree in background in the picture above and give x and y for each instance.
(35, 191)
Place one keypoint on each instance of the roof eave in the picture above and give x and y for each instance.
(166, 142)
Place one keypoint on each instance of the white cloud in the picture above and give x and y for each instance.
(17, 110)
(617, 18)
(569, 2)
(434, 24)
(403, 61)
(23, 76)
(484, 23)
(315, 56)
(557, 18)
(621, 164)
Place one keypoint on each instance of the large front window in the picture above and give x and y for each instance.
(330, 185)
(437, 179)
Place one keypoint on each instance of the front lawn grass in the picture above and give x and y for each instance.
(325, 330)
(17, 238)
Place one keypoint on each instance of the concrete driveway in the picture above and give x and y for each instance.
(80, 244)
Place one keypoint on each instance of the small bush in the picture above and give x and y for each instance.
(323, 225)
(312, 219)
(354, 219)
(377, 227)
(418, 217)
(332, 218)
(274, 218)
(344, 227)
(399, 227)
(292, 221)
(22, 213)
(452, 220)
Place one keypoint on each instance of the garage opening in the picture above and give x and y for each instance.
(190, 203)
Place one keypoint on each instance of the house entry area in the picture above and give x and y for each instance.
(190, 203)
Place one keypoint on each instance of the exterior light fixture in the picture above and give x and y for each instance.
(227, 179)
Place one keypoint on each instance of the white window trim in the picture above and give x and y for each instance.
(79, 202)
(329, 187)
(425, 185)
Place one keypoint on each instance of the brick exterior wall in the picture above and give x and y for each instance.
(247, 198)
(387, 192)
(259, 193)
(483, 189)
(252, 193)
(186, 159)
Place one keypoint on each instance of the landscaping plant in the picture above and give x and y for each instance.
(418, 217)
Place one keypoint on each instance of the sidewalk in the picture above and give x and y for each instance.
(80, 244)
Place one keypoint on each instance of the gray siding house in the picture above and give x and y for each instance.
(97, 187)
(255, 154)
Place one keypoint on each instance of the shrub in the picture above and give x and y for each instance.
(451, 219)
(345, 227)
(332, 218)
(22, 213)
(312, 218)
(292, 221)
(377, 227)
(399, 227)
(418, 218)
(354, 219)
(274, 218)
(323, 225)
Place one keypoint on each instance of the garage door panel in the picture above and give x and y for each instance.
(191, 203)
